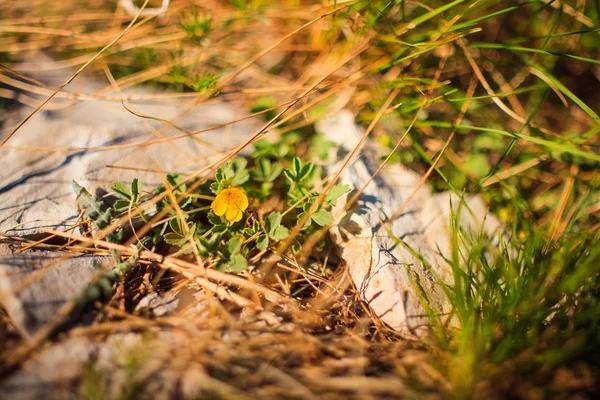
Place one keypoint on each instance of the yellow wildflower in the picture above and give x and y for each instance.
(231, 202)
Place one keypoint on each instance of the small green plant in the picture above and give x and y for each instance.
(204, 82)
(129, 196)
(195, 26)
(224, 219)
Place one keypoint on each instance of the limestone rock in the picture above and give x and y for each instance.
(396, 264)
(35, 284)
(80, 141)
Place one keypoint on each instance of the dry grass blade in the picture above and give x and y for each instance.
(129, 27)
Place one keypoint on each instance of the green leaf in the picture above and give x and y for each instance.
(315, 173)
(266, 188)
(308, 222)
(255, 228)
(136, 189)
(237, 263)
(306, 172)
(175, 239)
(233, 173)
(234, 246)
(241, 175)
(272, 222)
(322, 217)
(176, 226)
(336, 192)
(276, 169)
(215, 219)
(280, 233)
(216, 187)
(265, 148)
(319, 146)
(174, 180)
(296, 167)
(121, 205)
(265, 103)
(121, 189)
(262, 242)
(208, 246)
(220, 229)
(265, 171)
(289, 175)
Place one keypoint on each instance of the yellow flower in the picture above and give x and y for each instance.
(231, 202)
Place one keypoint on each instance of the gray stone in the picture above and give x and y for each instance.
(34, 285)
(52, 374)
(35, 181)
(395, 263)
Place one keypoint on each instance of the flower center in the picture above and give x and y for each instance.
(234, 199)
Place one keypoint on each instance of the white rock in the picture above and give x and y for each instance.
(396, 264)
(35, 186)
(51, 279)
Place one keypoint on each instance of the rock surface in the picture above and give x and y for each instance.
(34, 285)
(75, 143)
(396, 264)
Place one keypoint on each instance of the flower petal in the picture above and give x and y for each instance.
(244, 201)
(234, 214)
(219, 206)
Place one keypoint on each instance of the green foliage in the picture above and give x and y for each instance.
(232, 174)
(177, 236)
(130, 196)
(300, 173)
(98, 212)
(268, 149)
(526, 299)
(233, 259)
(266, 172)
(101, 215)
(203, 83)
(336, 192)
(320, 147)
(194, 26)
(322, 217)
(527, 308)
(178, 187)
(273, 231)
(263, 104)
(270, 174)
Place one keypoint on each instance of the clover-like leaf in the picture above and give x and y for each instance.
(265, 171)
(336, 192)
(237, 263)
(262, 242)
(241, 175)
(274, 228)
(308, 222)
(272, 222)
(208, 246)
(322, 217)
(255, 228)
(121, 189)
(176, 226)
(215, 219)
(233, 246)
(280, 233)
(136, 189)
(121, 205)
